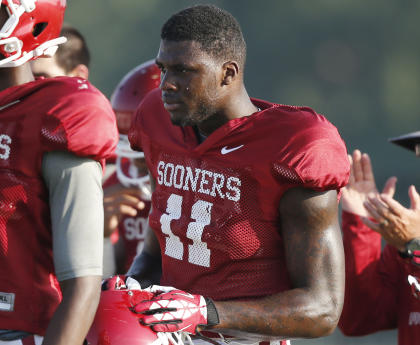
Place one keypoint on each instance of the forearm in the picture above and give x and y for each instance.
(147, 266)
(72, 319)
(296, 313)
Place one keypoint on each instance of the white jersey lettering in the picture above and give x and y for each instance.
(198, 180)
(5, 142)
(414, 318)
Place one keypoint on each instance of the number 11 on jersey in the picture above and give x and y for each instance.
(198, 253)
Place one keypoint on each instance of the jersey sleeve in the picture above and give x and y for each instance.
(315, 156)
(370, 302)
(81, 122)
(76, 204)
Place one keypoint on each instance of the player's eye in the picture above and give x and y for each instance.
(182, 69)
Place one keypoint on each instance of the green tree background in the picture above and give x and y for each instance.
(355, 61)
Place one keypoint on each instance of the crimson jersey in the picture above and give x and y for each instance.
(378, 295)
(131, 230)
(215, 206)
(58, 114)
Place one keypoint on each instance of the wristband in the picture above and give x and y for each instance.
(212, 314)
(412, 251)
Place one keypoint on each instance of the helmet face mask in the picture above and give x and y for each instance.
(31, 30)
(132, 169)
(125, 99)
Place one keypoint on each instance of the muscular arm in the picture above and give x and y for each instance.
(315, 261)
(75, 193)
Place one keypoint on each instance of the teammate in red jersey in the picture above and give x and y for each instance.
(72, 59)
(54, 136)
(244, 208)
(382, 287)
(127, 191)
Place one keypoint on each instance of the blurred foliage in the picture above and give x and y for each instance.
(357, 62)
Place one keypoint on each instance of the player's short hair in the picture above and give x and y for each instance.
(217, 31)
(74, 52)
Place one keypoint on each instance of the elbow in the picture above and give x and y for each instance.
(325, 321)
(325, 326)
(328, 327)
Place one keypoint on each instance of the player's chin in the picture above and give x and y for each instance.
(180, 119)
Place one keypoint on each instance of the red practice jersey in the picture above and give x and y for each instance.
(378, 295)
(215, 207)
(131, 230)
(58, 114)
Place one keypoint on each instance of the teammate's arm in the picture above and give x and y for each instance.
(75, 194)
(315, 262)
(147, 266)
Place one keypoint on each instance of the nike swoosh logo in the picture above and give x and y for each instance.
(9, 105)
(413, 282)
(225, 149)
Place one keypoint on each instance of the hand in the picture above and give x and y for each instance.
(177, 310)
(120, 282)
(362, 184)
(120, 201)
(394, 222)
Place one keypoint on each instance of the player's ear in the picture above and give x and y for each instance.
(81, 71)
(230, 72)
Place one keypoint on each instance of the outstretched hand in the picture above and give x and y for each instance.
(394, 222)
(362, 184)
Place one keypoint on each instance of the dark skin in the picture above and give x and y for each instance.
(72, 319)
(308, 219)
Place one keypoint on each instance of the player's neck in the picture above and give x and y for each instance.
(240, 105)
(15, 76)
(236, 104)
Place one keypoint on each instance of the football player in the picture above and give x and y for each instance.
(71, 59)
(54, 137)
(127, 191)
(245, 201)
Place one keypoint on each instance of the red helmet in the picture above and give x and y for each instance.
(131, 90)
(125, 99)
(32, 30)
(116, 324)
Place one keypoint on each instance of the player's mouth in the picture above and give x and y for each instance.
(170, 102)
(171, 106)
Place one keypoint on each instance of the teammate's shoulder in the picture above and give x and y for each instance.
(153, 98)
(150, 106)
(72, 87)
